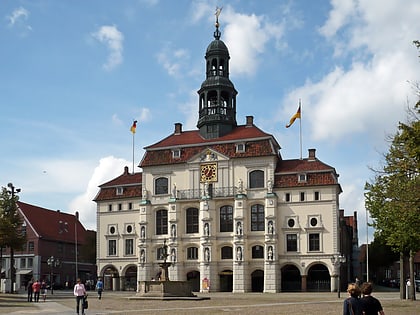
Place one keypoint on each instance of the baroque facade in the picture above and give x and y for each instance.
(234, 214)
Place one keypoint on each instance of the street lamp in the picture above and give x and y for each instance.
(337, 260)
(12, 192)
(52, 262)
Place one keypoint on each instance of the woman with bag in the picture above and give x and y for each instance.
(352, 304)
(80, 293)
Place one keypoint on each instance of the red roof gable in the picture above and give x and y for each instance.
(193, 137)
(131, 185)
(191, 143)
(52, 225)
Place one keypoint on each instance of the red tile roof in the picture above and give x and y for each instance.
(52, 225)
(257, 142)
(131, 185)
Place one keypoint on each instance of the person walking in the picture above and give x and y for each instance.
(352, 304)
(36, 287)
(44, 290)
(99, 288)
(30, 290)
(370, 305)
(80, 293)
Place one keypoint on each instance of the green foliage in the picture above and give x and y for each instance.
(393, 197)
(10, 222)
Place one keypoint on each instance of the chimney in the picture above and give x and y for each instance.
(311, 156)
(77, 215)
(125, 170)
(178, 129)
(249, 121)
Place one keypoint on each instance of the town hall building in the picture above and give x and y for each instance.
(234, 214)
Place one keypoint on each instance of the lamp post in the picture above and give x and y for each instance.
(337, 260)
(12, 192)
(52, 262)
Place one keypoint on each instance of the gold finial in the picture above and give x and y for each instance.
(217, 13)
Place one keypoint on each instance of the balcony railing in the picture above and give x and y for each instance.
(214, 192)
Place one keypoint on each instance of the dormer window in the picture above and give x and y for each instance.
(176, 153)
(240, 148)
(302, 178)
(120, 191)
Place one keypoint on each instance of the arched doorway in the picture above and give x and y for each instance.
(226, 281)
(257, 281)
(111, 278)
(193, 277)
(131, 279)
(291, 281)
(318, 279)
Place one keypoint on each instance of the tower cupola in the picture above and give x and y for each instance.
(217, 95)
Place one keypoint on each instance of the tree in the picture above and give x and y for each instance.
(393, 197)
(11, 235)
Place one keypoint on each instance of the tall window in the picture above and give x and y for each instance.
(31, 246)
(227, 252)
(112, 247)
(226, 219)
(192, 253)
(257, 251)
(257, 218)
(192, 220)
(161, 186)
(162, 222)
(256, 179)
(314, 242)
(291, 240)
(129, 246)
(316, 195)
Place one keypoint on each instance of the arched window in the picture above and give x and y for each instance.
(227, 252)
(258, 251)
(162, 222)
(192, 220)
(226, 219)
(257, 217)
(256, 179)
(161, 186)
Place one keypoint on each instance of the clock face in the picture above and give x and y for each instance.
(209, 173)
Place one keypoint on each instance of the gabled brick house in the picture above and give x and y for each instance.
(52, 234)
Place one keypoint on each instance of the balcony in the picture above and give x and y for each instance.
(213, 192)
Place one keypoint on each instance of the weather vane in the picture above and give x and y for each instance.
(217, 13)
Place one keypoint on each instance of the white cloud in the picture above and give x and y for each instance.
(174, 61)
(18, 15)
(247, 37)
(113, 39)
(108, 168)
(369, 95)
(19, 18)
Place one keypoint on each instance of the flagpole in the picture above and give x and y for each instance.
(300, 128)
(133, 152)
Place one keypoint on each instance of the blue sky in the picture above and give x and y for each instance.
(74, 75)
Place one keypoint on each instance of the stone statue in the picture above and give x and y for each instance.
(270, 253)
(270, 227)
(174, 191)
(206, 189)
(142, 256)
(173, 230)
(144, 194)
(239, 228)
(239, 253)
(206, 229)
(240, 186)
(173, 255)
(143, 232)
(270, 186)
(207, 254)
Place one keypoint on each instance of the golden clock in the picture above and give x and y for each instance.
(208, 172)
